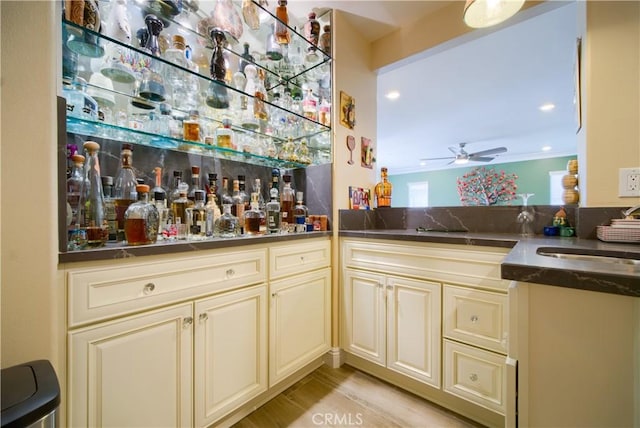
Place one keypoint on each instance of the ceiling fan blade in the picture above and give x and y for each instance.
(480, 158)
(430, 159)
(489, 152)
(453, 150)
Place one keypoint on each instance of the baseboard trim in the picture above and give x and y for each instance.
(334, 358)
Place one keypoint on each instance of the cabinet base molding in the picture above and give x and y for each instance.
(334, 358)
(437, 396)
(262, 399)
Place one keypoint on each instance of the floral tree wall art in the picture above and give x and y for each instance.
(482, 186)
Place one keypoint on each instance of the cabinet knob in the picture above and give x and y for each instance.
(474, 318)
(203, 316)
(274, 295)
(230, 272)
(473, 377)
(148, 288)
(187, 321)
(301, 259)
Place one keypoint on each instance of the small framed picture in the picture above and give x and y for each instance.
(359, 198)
(366, 153)
(347, 110)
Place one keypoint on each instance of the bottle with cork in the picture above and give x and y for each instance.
(383, 190)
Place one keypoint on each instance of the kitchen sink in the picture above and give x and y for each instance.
(614, 257)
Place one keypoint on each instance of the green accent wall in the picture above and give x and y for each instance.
(533, 177)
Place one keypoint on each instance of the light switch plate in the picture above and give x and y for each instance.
(629, 182)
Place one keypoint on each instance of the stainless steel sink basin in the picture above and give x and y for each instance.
(614, 257)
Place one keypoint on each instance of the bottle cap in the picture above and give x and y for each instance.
(107, 180)
(177, 173)
(127, 146)
(142, 188)
(241, 178)
(286, 178)
(195, 169)
(77, 158)
(212, 176)
(91, 146)
(199, 195)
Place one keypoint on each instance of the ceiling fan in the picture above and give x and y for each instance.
(462, 157)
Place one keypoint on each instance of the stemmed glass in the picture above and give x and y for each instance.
(526, 215)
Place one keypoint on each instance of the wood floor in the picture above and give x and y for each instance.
(346, 397)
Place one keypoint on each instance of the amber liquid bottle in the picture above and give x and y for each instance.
(125, 187)
(383, 190)
(281, 31)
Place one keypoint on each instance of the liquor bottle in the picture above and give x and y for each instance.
(75, 184)
(254, 218)
(125, 187)
(217, 94)
(247, 58)
(225, 197)
(260, 94)
(257, 188)
(141, 219)
(110, 207)
(282, 31)
(179, 211)
(160, 201)
(191, 127)
(227, 225)
(239, 199)
(248, 118)
(196, 217)
(312, 33)
(212, 213)
(325, 40)
(300, 213)
(287, 197)
(224, 135)
(383, 190)
(175, 187)
(195, 184)
(91, 212)
(212, 188)
(310, 105)
(273, 206)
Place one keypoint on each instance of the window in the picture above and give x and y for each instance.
(418, 194)
(555, 187)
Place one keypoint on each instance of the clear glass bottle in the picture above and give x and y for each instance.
(383, 190)
(312, 33)
(273, 206)
(254, 218)
(110, 207)
(224, 135)
(141, 219)
(179, 211)
(125, 187)
(227, 225)
(310, 105)
(247, 58)
(175, 187)
(212, 213)
(75, 184)
(225, 197)
(79, 103)
(300, 213)
(281, 30)
(91, 209)
(273, 49)
(240, 200)
(191, 127)
(217, 94)
(248, 119)
(174, 77)
(287, 198)
(159, 196)
(259, 96)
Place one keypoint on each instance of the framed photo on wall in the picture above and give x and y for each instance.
(366, 153)
(347, 110)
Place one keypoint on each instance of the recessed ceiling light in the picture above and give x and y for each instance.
(393, 95)
(546, 148)
(547, 107)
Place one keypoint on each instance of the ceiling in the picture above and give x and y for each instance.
(484, 91)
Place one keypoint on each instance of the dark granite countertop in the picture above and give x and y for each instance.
(523, 263)
(118, 251)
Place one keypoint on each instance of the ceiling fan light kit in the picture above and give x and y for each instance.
(485, 13)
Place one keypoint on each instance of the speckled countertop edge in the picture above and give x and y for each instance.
(522, 263)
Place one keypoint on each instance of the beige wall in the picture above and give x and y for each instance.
(32, 303)
(611, 102)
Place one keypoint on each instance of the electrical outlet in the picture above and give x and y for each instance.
(629, 182)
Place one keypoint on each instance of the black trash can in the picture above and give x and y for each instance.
(30, 395)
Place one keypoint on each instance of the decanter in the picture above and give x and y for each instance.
(227, 225)
(383, 190)
(254, 219)
(141, 219)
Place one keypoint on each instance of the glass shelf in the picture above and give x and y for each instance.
(320, 152)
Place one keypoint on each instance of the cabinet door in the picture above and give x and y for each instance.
(230, 352)
(413, 337)
(136, 371)
(363, 315)
(299, 322)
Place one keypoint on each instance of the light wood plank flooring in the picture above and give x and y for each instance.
(346, 397)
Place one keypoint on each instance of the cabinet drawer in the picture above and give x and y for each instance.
(475, 375)
(109, 291)
(465, 264)
(475, 316)
(299, 257)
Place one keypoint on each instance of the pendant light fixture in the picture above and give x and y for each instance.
(485, 13)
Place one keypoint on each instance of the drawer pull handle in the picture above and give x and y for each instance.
(474, 318)
(230, 272)
(148, 288)
(204, 316)
(187, 321)
(473, 377)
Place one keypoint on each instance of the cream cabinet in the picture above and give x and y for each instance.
(135, 371)
(230, 352)
(435, 313)
(300, 306)
(393, 321)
